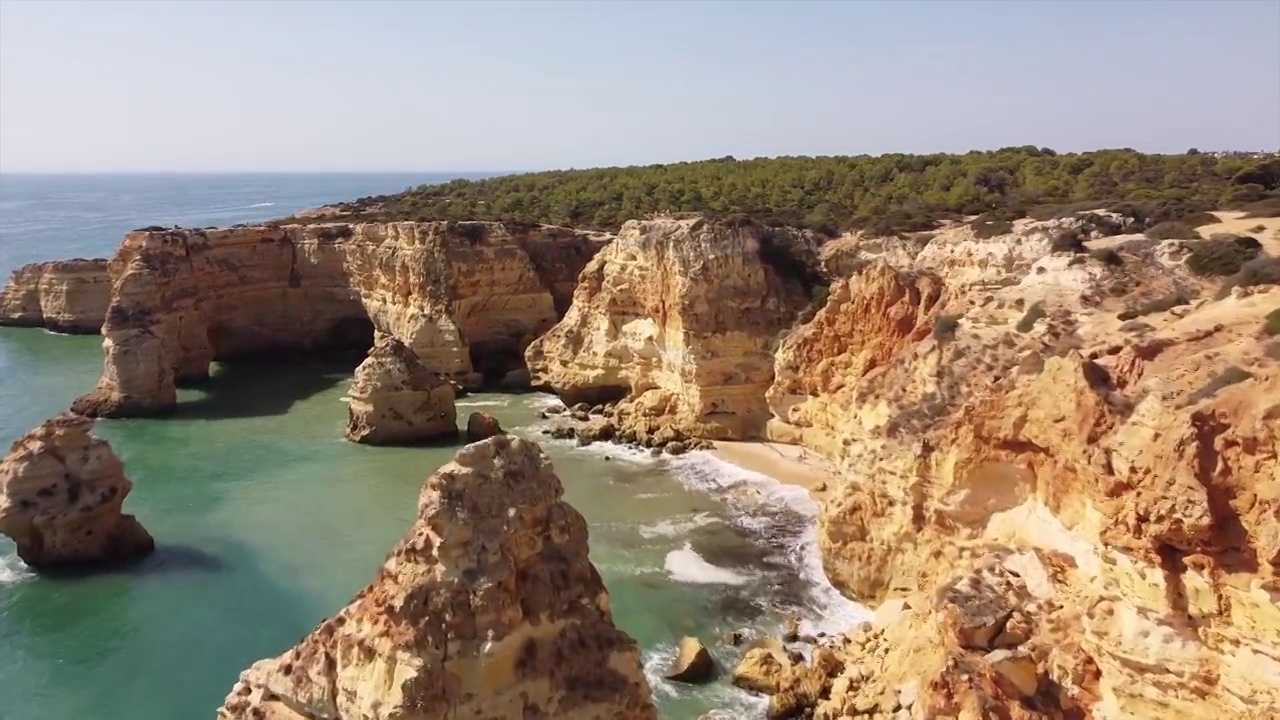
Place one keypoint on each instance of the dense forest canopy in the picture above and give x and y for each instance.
(833, 194)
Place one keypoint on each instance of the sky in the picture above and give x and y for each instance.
(248, 85)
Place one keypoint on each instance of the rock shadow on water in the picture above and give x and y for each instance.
(165, 560)
(247, 388)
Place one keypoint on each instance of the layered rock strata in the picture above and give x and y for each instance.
(489, 608)
(395, 400)
(467, 298)
(68, 296)
(1000, 407)
(61, 492)
(679, 316)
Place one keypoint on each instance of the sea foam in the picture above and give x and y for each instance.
(13, 570)
(687, 566)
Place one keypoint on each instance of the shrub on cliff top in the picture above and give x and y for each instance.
(989, 229)
(944, 328)
(1271, 325)
(1262, 270)
(1172, 231)
(1067, 240)
(1221, 255)
(1029, 318)
(1107, 256)
(1160, 304)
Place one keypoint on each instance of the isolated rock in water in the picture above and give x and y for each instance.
(693, 663)
(482, 426)
(395, 399)
(69, 296)
(488, 608)
(61, 490)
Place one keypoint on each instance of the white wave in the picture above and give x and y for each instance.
(13, 570)
(345, 399)
(542, 401)
(751, 494)
(675, 526)
(687, 566)
(627, 453)
(500, 402)
(59, 334)
(731, 703)
(258, 205)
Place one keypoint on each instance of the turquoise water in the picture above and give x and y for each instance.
(267, 521)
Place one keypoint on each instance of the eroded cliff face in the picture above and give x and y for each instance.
(61, 492)
(395, 400)
(68, 296)
(679, 317)
(999, 408)
(489, 608)
(465, 297)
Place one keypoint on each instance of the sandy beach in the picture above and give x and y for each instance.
(788, 464)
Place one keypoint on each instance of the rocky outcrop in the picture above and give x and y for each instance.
(68, 296)
(679, 317)
(467, 298)
(482, 426)
(489, 608)
(396, 400)
(61, 492)
(998, 407)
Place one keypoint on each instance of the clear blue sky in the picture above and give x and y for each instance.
(226, 86)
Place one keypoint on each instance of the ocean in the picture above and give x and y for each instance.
(267, 521)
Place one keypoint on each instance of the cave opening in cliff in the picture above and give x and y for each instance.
(501, 362)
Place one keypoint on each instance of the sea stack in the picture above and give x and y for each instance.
(396, 400)
(61, 490)
(488, 608)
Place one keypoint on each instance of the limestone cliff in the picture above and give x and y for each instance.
(489, 608)
(395, 399)
(465, 297)
(680, 318)
(61, 491)
(987, 400)
(69, 296)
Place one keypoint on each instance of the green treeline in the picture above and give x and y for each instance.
(832, 194)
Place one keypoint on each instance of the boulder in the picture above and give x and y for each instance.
(396, 400)
(763, 669)
(61, 492)
(693, 663)
(482, 426)
(488, 608)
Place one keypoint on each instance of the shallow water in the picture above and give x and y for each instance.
(268, 521)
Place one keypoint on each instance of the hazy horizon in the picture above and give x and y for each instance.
(507, 87)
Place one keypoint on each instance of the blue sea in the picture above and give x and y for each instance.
(267, 521)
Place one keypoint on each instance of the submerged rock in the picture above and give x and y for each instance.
(488, 608)
(482, 426)
(395, 399)
(61, 491)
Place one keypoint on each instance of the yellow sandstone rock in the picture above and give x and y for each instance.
(61, 491)
(489, 608)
